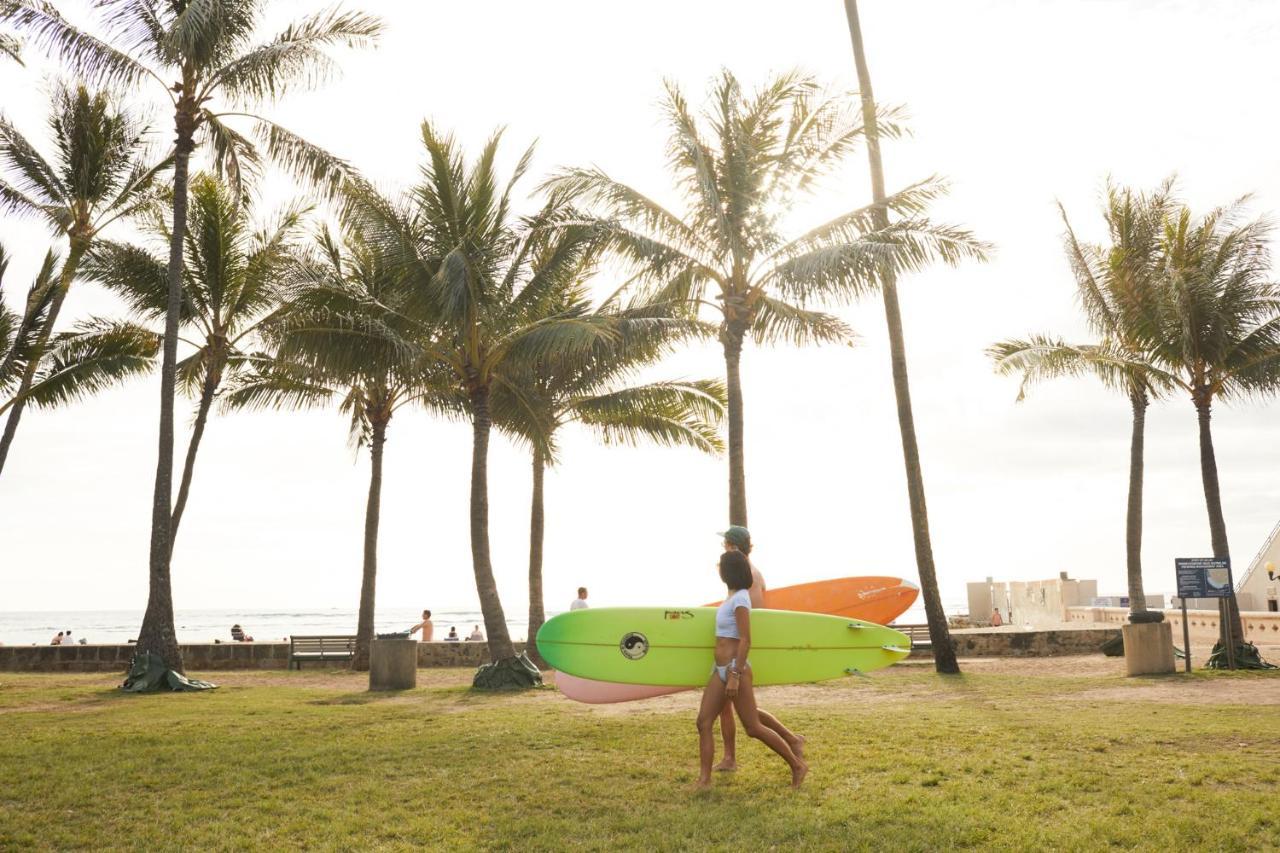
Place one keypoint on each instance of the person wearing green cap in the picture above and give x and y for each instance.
(738, 538)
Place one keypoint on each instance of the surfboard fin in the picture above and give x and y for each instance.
(857, 672)
(855, 625)
(897, 649)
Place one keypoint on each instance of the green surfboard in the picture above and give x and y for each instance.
(675, 647)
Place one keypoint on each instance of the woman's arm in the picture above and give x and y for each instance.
(741, 615)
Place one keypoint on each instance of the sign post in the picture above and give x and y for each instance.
(1204, 577)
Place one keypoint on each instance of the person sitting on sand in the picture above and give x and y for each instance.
(56, 641)
(453, 635)
(428, 630)
(476, 636)
(996, 620)
(238, 634)
(730, 679)
(66, 638)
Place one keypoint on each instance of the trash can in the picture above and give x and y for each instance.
(393, 664)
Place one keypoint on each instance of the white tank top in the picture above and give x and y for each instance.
(726, 616)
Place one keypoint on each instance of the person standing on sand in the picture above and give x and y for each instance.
(996, 621)
(581, 601)
(730, 680)
(428, 630)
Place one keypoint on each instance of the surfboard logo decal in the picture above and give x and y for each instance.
(634, 645)
(677, 614)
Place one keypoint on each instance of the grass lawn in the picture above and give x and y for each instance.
(1065, 754)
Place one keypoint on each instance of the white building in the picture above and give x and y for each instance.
(1257, 589)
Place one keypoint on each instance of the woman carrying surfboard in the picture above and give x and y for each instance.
(731, 681)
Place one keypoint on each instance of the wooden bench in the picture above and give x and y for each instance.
(919, 635)
(320, 648)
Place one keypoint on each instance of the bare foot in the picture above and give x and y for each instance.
(798, 774)
(797, 746)
(726, 766)
(702, 784)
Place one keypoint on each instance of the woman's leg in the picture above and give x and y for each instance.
(728, 731)
(712, 702)
(745, 702)
(795, 741)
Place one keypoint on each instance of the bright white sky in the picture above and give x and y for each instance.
(1018, 103)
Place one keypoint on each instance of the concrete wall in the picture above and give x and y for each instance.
(1260, 628)
(1046, 602)
(205, 657)
(1066, 641)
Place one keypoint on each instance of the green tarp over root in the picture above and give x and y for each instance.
(517, 673)
(148, 673)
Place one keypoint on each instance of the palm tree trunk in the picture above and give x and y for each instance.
(1133, 520)
(732, 340)
(1228, 609)
(495, 622)
(74, 254)
(207, 390)
(537, 611)
(364, 625)
(157, 634)
(944, 656)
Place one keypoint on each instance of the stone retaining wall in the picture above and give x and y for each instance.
(205, 657)
(1068, 641)
(1260, 628)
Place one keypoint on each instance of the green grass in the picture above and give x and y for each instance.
(903, 760)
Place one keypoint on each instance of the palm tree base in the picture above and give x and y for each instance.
(1146, 616)
(1247, 657)
(513, 673)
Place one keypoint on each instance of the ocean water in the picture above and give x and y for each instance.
(204, 626)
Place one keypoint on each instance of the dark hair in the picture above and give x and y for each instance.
(735, 570)
(426, 613)
(582, 590)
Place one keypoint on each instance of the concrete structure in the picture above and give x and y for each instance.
(210, 657)
(1261, 629)
(1259, 588)
(1038, 603)
(1148, 648)
(393, 664)
(1154, 602)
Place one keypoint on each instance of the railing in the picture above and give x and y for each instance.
(1257, 558)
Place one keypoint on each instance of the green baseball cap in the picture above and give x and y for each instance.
(737, 536)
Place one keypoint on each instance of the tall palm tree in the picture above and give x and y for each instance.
(480, 305)
(1218, 333)
(100, 173)
(592, 390)
(342, 280)
(1116, 286)
(72, 365)
(939, 634)
(232, 279)
(11, 47)
(740, 169)
(197, 52)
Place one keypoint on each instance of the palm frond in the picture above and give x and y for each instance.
(666, 413)
(777, 321)
(78, 51)
(95, 355)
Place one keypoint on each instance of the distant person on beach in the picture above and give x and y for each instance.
(738, 538)
(996, 620)
(453, 635)
(428, 630)
(580, 602)
(66, 638)
(56, 641)
(238, 634)
(476, 636)
(730, 679)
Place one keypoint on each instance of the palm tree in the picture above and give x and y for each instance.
(342, 280)
(591, 390)
(939, 634)
(11, 47)
(1218, 332)
(196, 52)
(740, 170)
(72, 365)
(232, 277)
(99, 175)
(1116, 286)
(480, 305)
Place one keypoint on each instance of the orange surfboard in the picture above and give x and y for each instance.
(871, 599)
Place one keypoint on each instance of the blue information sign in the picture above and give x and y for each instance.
(1203, 577)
